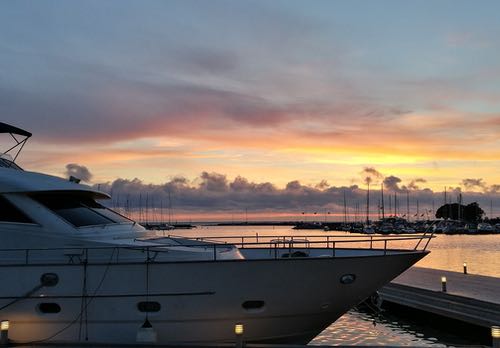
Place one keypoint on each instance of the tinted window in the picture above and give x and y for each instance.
(252, 304)
(148, 306)
(8, 164)
(9, 213)
(49, 308)
(80, 210)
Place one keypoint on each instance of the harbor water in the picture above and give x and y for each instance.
(364, 326)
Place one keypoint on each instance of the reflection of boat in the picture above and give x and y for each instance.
(77, 271)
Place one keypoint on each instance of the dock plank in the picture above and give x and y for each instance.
(470, 298)
(473, 286)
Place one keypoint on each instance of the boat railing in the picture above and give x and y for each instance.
(371, 240)
(215, 246)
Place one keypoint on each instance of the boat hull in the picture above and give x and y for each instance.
(288, 300)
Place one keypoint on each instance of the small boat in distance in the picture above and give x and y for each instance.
(73, 270)
(304, 225)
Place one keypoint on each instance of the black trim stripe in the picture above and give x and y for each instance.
(203, 293)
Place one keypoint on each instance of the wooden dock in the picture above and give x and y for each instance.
(469, 298)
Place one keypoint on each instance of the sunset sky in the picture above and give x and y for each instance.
(276, 92)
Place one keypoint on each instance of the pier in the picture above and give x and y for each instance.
(469, 298)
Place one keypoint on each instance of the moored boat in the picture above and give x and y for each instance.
(74, 270)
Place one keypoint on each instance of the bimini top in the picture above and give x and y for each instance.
(6, 160)
(29, 182)
(7, 128)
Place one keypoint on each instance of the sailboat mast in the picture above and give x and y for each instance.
(383, 204)
(368, 204)
(169, 209)
(408, 205)
(345, 209)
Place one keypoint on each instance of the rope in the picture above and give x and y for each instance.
(81, 311)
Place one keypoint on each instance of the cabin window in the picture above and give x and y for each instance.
(253, 305)
(79, 210)
(9, 213)
(148, 306)
(49, 308)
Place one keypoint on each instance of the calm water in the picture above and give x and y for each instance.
(448, 252)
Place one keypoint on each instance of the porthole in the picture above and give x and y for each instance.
(253, 304)
(49, 279)
(348, 278)
(49, 308)
(149, 307)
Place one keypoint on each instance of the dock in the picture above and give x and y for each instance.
(469, 298)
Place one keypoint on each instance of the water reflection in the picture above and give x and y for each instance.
(360, 328)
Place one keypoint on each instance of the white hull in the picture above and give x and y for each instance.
(200, 301)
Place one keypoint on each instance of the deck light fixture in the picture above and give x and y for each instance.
(238, 330)
(495, 336)
(4, 332)
(443, 284)
(4, 325)
(465, 267)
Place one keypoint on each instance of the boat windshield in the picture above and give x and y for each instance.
(80, 210)
(10, 213)
(7, 162)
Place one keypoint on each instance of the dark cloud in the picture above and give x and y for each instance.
(213, 182)
(124, 108)
(322, 185)
(413, 185)
(213, 192)
(294, 186)
(471, 184)
(494, 188)
(370, 174)
(78, 171)
(392, 183)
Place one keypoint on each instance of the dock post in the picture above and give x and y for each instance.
(443, 284)
(495, 336)
(4, 332)
(465, 267)
(238, 330)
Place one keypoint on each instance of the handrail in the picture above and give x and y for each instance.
(416, 235)
(293, 239)
(287, 243)
(281, 239)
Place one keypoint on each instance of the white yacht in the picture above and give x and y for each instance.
(72, 270)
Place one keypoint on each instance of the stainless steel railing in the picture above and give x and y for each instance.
(216, 245)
